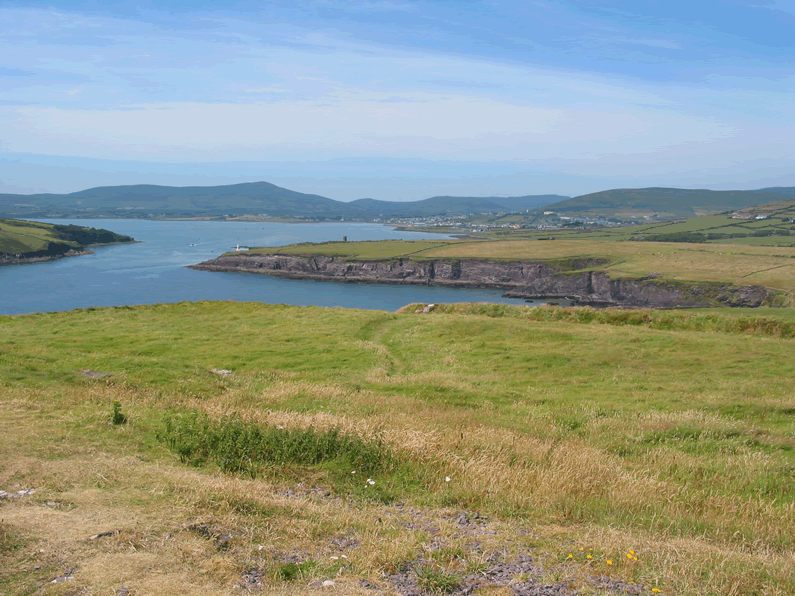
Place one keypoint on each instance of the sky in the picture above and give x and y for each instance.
(397, 99)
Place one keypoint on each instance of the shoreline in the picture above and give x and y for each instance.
(26, 260)
(4, 260)
(529, 280)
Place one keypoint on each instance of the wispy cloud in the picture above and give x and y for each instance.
(215, 85)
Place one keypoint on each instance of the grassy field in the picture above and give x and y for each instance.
(777, 229)
(375, 249)
(16, 238)
(743, 264)
(770, 266)
(29, 238)
(647, 448)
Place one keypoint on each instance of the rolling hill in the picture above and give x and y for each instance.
(675, 202)
(452, 205)
(256, 197)
(248, 198)
(20, 240)
(143, 200)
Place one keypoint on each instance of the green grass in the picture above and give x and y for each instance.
(29, 237)
(768, 261)
(18, 236)
(437, 580)
(378, 249)
(674, 425)
(237, 446)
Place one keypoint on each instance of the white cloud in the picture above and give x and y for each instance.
(230, 89)
(782, 5)
(423, 126)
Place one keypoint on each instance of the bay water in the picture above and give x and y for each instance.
(154, 270)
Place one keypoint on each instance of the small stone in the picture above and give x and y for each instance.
(328, 584)
(93, 374)
(65, 577)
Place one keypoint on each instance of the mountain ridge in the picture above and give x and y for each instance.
(677, 202)
(254, 197)
(267, 198)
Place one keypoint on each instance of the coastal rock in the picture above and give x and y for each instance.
(581, 282)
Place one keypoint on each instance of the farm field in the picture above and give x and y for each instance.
(769, 266)
(30, 238)
(377, 249)
(640, 448)
(776, 228)
(16, 238)
(742, 264)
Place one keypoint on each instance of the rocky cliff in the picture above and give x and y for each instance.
(521, 279)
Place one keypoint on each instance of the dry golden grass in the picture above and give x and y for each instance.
(509, 454)
(743, 264)
(89, 488)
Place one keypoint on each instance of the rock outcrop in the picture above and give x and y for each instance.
(521, 279)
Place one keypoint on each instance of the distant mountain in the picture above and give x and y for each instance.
(528, 202)
(425, 207)
(676, 202)
(254, 197)
(452, 205)
(263, 197)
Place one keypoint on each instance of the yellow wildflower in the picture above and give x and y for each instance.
(609, 562)
(588, 557)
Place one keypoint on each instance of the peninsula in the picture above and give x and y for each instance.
(626, 274)
(31, 241)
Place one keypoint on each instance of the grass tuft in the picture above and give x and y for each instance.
(238, 446)
(437, 580)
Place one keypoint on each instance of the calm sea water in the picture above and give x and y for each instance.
(154, 270)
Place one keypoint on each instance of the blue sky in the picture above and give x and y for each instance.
(398, 99)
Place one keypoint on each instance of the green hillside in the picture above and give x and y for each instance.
(250, 198)
(144, 200)
(673, 202)
(257, 197)
(29, 239)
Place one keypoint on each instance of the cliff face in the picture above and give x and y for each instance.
(522, 279)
